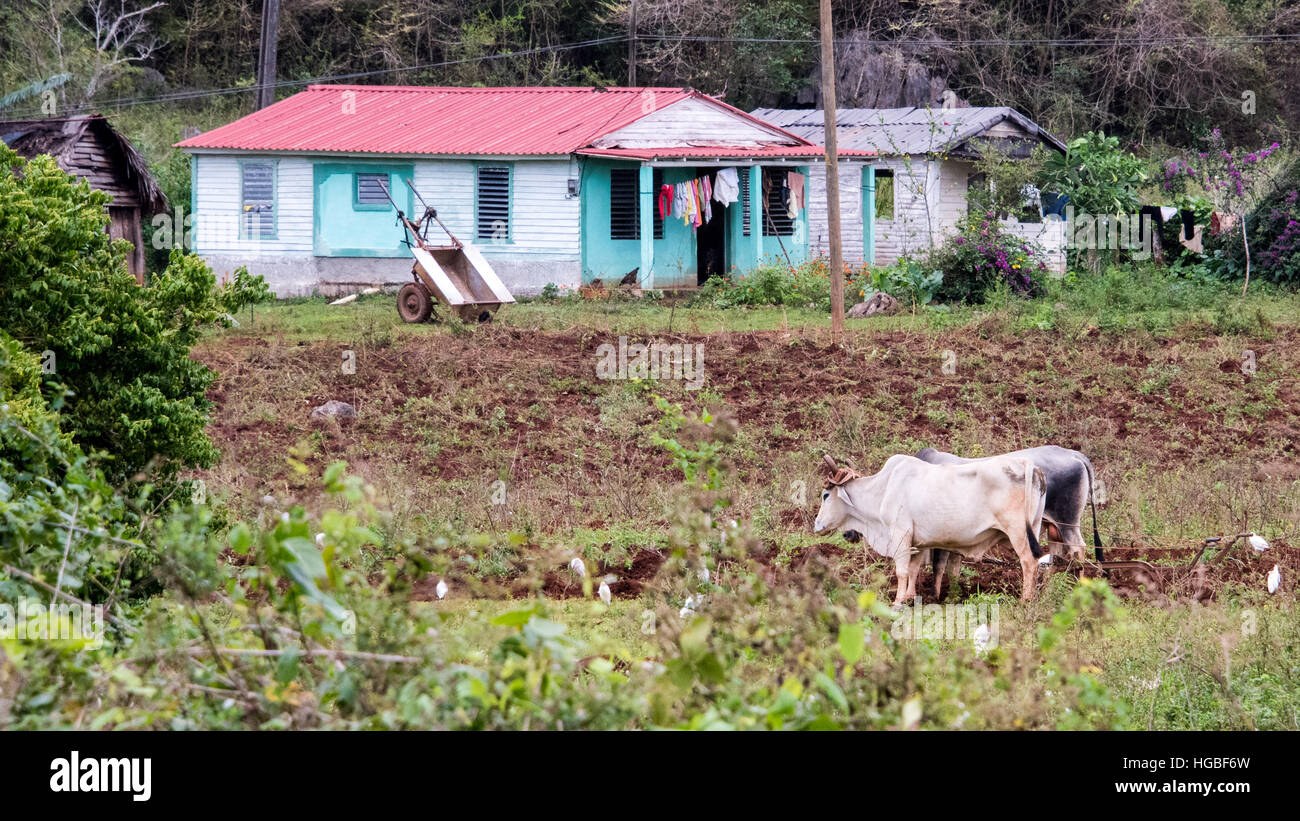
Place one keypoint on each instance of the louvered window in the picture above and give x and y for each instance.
(371, 189)
(492, 193)
(257, 218)
(625, 204)
(776, 216)
(744, 200)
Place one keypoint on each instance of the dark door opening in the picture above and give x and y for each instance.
(711, 245)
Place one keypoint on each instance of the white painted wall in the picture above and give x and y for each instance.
(544, 244)
(691, 121)
(217, 204)
(850, 212)
(929, 200)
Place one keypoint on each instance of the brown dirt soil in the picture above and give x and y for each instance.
(768, 381)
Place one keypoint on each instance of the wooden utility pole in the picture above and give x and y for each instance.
(266, 53)
(631, 47)
(832, 174)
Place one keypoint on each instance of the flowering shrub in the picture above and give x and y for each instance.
(1273, 229)
(980, 255)
(1233, 180)
(1229, 178)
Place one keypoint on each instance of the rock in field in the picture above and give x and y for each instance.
(334, 409)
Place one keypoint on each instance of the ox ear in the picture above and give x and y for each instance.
(829, 463)
(843, 491)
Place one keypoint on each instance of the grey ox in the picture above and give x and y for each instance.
(1069, 477)
(912, 506)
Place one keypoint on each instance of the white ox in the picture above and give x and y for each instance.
(912, 506)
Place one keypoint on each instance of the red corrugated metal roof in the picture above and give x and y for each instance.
(703, 152)
(412, 120)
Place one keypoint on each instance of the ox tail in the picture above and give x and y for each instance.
(1092, 502)
(1032, 507)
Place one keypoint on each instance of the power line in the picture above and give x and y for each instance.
(1052, 42)
(1189, 40)
(127, 102)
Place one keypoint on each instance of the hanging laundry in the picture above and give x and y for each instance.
(679, 200)
(794, 181)
(1188, 218)
(665, 201)
(1222, 223)
(1167, 213)
(1194, 244)
(706, 197)
(726, 186)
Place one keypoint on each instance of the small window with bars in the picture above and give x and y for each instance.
(625, 203)
(372, 190)
(257, 200)
(777, 221)
(492, 198)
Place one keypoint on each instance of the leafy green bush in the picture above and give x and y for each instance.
(1098, 177)
(120, 349)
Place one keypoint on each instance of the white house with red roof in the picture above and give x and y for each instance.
(553, 185)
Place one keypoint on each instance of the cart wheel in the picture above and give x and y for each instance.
(413, 303)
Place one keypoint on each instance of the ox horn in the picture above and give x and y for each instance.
(829, 462)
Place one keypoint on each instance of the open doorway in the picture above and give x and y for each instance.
(711, 245)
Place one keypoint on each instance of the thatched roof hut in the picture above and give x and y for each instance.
(89, 147)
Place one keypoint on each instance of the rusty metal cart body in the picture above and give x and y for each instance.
(455, 274)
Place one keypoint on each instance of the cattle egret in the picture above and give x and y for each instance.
(345, 300)
(1257, 542)
(1274, 579)
(320, 539)
(371, 290)
(605, 595)
(578, 567)
(980, 638)
(441, 589)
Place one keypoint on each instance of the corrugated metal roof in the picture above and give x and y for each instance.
(416, 120)
(723, 153)
(901, 130)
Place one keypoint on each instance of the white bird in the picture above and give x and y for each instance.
(980, 638)
(605, 595)
(1274, 579)
(320, 539)
(704, 575)
(685, 613)
(1257, 542)
(345, 300)
(578, 567)
(441, 589)
(371, 290)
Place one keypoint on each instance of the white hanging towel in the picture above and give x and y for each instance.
(726, 187)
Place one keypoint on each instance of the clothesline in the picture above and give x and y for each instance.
(692, 200)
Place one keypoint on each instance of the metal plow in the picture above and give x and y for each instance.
(454, 274)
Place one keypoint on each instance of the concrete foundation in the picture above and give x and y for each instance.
(333, 276)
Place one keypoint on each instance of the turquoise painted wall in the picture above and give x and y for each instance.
(610, 259)
(674, 263)
(342, 227)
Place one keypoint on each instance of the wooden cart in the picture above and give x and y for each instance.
(455, 274)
